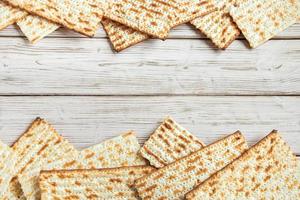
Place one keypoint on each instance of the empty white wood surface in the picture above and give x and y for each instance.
(91, 93)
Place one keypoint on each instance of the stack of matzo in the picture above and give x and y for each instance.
(43, 165)
(132, 21)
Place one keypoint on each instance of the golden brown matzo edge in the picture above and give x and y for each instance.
(44, 175)
(189, 195)
(217, 141)
(34, 123)
(116, 48)
(33, 13)
(100, 169)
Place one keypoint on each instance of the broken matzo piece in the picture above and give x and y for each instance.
(219, 27)
(9, 15)
(114, 183)
(156, 17)
(38, 147)
(122, 36)
(168, 143)
(35, 28)
(83, 16)
(116, 152)
(176, 179)
(260, 20)
(268, 170)
(7, 170)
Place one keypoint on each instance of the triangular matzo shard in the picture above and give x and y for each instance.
(260, 20)
(35, 28)
(122, 36)
(103, 184)
(176, 179)
(9, 15)
(37, 148)
(268, 170)
(156, 17)
(7, 170)
(168, 143)
(83, 16)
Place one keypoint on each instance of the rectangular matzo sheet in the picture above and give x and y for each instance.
(168, 143)
(156, 17)
(178, 178)
(260, 20)
(115, 184)
(83, 16)
(268, 170)
(9, 15)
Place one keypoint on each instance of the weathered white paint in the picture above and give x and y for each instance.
(89, 120)
(84, 66)
(177, 74)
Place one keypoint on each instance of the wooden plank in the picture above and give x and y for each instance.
(182, 31)
(69, 66)
(89, 120)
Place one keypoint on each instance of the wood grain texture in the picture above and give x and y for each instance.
(89, 120)
(82, 66)
(181, 77)
(182, 31)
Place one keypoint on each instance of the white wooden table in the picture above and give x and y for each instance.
(90, 93)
